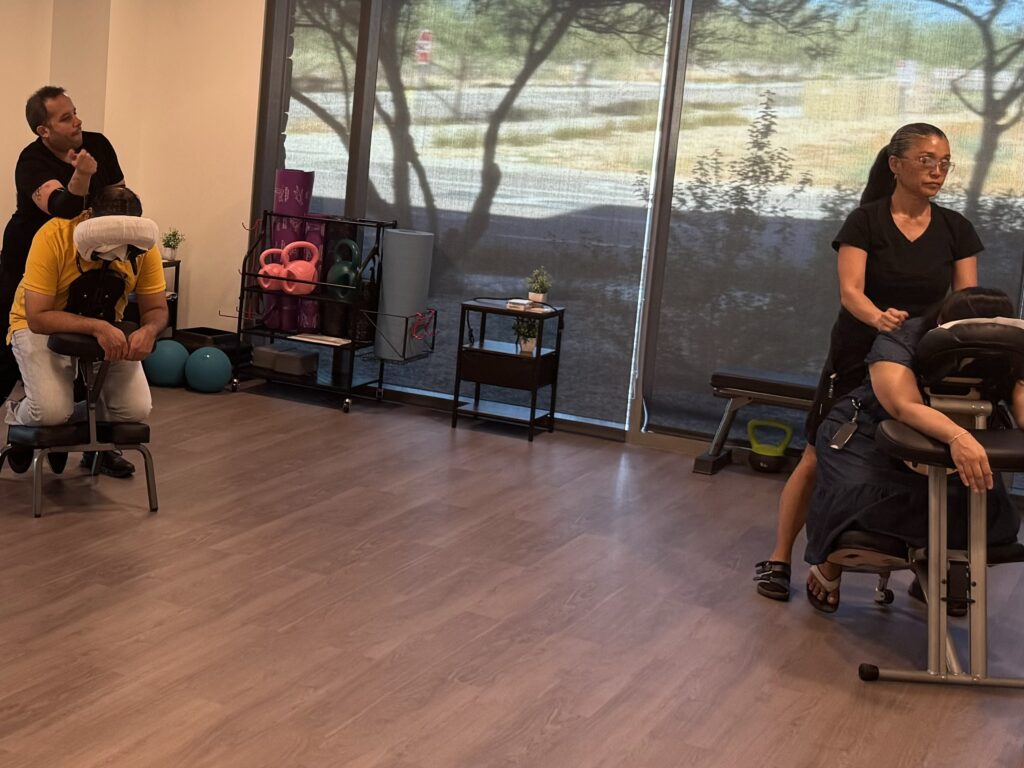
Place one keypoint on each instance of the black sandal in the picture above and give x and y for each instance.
(772, 577)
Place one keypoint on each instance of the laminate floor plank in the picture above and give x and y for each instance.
(377, 590)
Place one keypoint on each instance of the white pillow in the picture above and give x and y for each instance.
(106, 238)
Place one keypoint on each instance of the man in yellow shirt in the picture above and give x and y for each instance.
(71, 288)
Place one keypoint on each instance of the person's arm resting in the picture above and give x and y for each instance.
(44, 319)
(896, 388)
(853, 264)
(153, 320)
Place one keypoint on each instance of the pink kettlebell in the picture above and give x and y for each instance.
(272, 269)
(301, 269)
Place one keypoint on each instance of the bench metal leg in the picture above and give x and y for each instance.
(713, 459)
(147, 458)
(37, 484)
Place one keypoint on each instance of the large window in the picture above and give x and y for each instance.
(514, 132)
(319, 124)
(522, 133)
(780, 125)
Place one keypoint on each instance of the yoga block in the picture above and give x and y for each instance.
(288, 361)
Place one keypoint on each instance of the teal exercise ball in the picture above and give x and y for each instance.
(165, 366)
(208, 370)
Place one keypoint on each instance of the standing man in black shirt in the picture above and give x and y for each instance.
(54, 176)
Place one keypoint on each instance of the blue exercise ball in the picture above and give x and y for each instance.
(165, 366)
(208, 370)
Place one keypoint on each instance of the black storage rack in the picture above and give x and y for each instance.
(360, 308)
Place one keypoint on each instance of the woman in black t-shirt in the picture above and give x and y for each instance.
(899, 253)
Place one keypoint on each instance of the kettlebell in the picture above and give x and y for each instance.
(344, 273)
(343, 276)
(767, 455)
(301, 269)
(272, 269)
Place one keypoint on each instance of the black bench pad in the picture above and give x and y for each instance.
(1005, 447)
(122, 433)
(49, 437)
(795, 386)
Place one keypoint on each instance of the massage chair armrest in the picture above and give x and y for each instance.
(1005, 447)
(82, 345)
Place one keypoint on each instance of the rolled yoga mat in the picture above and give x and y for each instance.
(293, 191)
(406, 256)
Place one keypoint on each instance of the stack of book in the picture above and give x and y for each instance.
(525, 305)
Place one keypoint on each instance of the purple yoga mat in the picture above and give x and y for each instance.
(292, 193)
(315, 234)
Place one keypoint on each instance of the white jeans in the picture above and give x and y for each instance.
(49, 387)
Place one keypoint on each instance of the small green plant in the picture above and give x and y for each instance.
(539, 281)
(172, 239)
(525, 328)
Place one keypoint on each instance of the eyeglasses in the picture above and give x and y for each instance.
(930, 163)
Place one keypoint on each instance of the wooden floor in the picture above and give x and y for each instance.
(375, 589)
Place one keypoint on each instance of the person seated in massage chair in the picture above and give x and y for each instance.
(77, 280)
(860, 488)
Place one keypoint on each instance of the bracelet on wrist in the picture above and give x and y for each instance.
(957, 436)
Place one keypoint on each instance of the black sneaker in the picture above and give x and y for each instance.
(111, 463)
(20, 458)
(57, 460)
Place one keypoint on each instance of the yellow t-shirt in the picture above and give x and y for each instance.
(53, 263)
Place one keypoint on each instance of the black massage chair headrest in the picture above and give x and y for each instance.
(988, 349)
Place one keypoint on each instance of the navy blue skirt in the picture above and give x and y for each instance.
(859, 488)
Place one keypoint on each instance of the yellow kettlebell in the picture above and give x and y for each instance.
(766, 454)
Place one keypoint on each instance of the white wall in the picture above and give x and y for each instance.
(25, 62)
(174, 84)
(181, 109)
(78, 57)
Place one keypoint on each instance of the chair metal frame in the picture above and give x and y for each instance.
(86, 352)
(934, 565)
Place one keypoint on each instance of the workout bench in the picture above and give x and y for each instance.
(743, 386)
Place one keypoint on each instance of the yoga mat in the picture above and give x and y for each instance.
(406, 256)
(293, 191)
(314, 233)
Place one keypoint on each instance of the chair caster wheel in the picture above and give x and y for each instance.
(346, 406)
(884, 597)
(234, 385)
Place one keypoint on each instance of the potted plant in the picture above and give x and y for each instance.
(526, 334)
(538, 285)
(170, 243)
